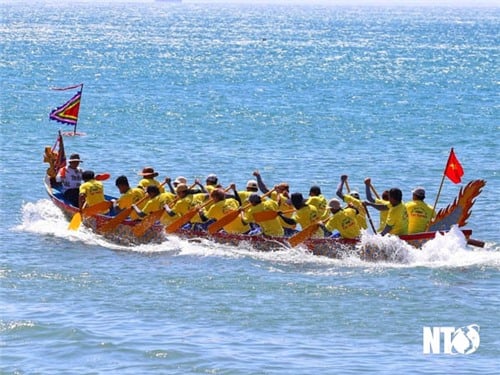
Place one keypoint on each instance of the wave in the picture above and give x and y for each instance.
(446, 250)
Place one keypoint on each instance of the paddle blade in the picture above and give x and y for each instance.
(265, 216)
(177, 224)
(146, 223)
(75, 222)
(98, 208)
(117, 220)
(303, 235)
(223, 221)
(102, 176)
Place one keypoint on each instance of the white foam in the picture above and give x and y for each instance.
(448, 250)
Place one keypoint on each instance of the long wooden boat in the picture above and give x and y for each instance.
(329, 247)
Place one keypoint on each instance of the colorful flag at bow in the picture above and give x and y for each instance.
(454, 170)
(68, 112)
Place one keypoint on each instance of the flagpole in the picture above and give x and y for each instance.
(440, 188)
(76, 122)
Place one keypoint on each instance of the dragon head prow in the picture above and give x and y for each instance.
(459, 211)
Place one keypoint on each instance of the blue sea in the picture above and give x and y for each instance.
(302, 93)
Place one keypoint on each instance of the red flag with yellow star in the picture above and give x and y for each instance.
(454, 170)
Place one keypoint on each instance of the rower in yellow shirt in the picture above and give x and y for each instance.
(397, 217)
(352, 199)
(91, 191)
(342, 220)
(319, 201)
(384, 200)
(148, 178)
(221, 207)
(420, 213)
(271, 227)
(304, 215)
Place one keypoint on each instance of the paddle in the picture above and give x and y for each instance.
(153, 217)
(374, 191)
(147, 222)
(229, 217)
(122, 215)
(304, 234)
(268, 215)
(102, 176)
(178, 223)
(370, 219)
(77, 218)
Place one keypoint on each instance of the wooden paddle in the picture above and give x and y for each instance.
(77, 218)
(141, 228)
(177, 224)
(268, 215)
(370, 219)
(147, 222)
(230, 216)
(304, 234)
(122, 215)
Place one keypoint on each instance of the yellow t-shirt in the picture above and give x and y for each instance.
(131, 196)
(93, 191)
(306, 216)
(244, 194)
(284, 207)
(321, 204)
(419, 216)
(182, 206)
(361, 216)
(397, 218)
(345, 222)
(221, 208)
(145, 182)
(158, 202)
(269, 227)
(383, 214)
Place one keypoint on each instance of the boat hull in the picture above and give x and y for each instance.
(329, 247)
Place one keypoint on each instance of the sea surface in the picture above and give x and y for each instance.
(301, 93)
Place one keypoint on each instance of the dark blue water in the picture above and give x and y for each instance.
(304, 94)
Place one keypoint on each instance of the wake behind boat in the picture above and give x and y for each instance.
(125, 232)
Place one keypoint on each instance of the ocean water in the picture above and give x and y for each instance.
(302, 93)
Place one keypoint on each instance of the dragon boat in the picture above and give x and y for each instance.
(455, 214)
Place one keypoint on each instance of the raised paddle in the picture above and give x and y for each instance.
(141, 228)
(370, 219)
(93, 210)
(230, 216)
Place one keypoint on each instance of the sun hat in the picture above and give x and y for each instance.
(334, 203)
(75, 157)
(148, 172)
(252, 184)
(212, 178)
(180, 180)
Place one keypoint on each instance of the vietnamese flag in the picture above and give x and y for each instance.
(454, 170)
